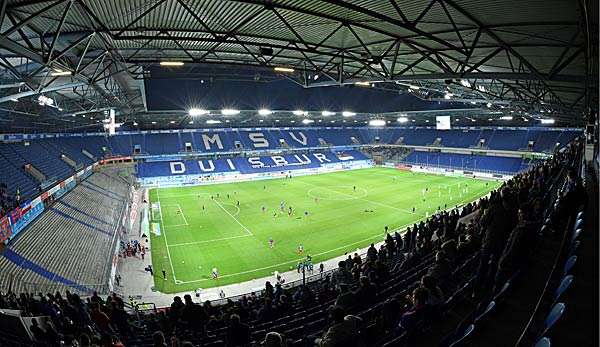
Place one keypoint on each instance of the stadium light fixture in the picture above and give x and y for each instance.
(44, 100)
(284, 69)
(465, 83)
(402, 119)
(481, 88)
(348, 114)
(307, 121)
(191, 122)
(153, 122)
(213, 121)
(377, 122)
(489, 104)
(414, 87)
(14, 100)
(264, 112)
(448, 96)
(547, 120)
(363, 83)
(172, 122)
(60, 73)
(229, 112)
(171, 63)
(195, 112)
(327, 113)
(299, 113)
(506, 118)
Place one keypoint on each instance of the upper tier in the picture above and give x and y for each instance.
(45, 153)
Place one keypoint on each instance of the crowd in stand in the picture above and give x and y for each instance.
(7, 202)
(498, 238)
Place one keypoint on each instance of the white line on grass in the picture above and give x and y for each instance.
(164, 231)
(328, 251)
(209, 241)
(235, 219)
(366, 200)
(295, 260)
(182, 215)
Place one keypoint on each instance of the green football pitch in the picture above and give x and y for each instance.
(202, 227)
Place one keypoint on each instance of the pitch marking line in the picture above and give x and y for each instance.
(209, 241)
(328, 251)
(182, 215)
(232, 216)
(165, 235)
(360, 198)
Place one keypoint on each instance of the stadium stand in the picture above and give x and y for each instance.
(466, 162)
(408, 292)
(69, 242)
(45, 154)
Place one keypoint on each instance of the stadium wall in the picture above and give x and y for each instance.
(449, 172)
(237, 176)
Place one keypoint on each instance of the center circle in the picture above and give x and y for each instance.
(337, 193)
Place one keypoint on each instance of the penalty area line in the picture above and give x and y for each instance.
(164, 232)
(235, 219)
(208, 241)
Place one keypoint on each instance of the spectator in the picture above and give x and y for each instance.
(237, 333)
(158, 339)
(496, 223)
(411, 318)
(518, 248)
(343, 330)
(436, 296)
(100, 318)
(372, 252)
(273, 339)
(38, 333)
(193, 315)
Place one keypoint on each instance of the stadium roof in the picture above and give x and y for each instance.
(536, 56)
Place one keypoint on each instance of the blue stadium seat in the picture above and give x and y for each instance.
(574, 247)
(485, 312)
(463, 336)
(554, 315)
(569, 264)
(564, 285)
(543, 342)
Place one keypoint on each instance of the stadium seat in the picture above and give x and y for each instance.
(543, 342)
(569, 264)
(500, 295)
(574, 247)
(463, 336)
(485, 312)
(554, 315)
(564, 285)
(578, 223)
(576, 234)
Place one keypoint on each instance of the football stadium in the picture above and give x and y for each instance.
(299, 173)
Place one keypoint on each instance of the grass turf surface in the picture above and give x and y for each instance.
(235, 239)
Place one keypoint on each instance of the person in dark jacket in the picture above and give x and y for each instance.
(518, 247)
(238, 333)
(496, 223)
